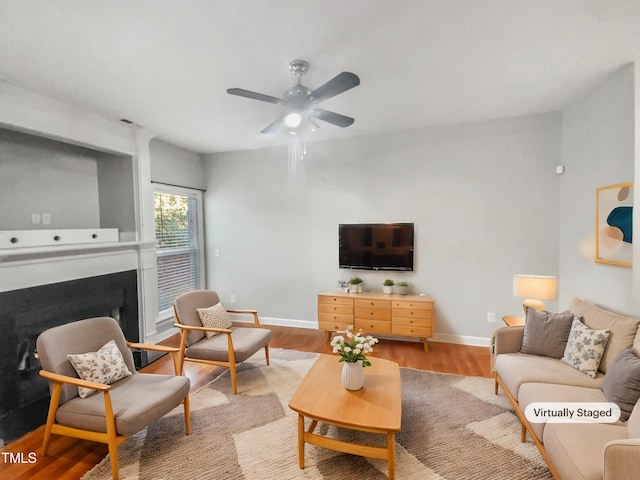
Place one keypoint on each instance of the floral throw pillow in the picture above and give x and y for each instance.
(104, 366)
(214, 317)
(585, 348)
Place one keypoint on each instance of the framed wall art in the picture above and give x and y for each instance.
(614, 221)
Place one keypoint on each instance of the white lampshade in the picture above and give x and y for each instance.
(541, 287)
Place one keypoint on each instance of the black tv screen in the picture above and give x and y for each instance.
(376, 246)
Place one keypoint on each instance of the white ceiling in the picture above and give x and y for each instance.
(166, 64)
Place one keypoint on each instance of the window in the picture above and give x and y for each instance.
(178, 242)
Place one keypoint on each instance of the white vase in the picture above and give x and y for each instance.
(388, 289)
(353, 375)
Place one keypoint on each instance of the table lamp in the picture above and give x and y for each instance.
(534, 288)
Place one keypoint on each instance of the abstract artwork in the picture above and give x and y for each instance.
(614, 221)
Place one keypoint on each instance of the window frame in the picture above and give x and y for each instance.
(163, 189)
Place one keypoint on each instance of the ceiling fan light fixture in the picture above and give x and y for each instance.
(293, 120)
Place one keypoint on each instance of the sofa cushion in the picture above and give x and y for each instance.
(547, 392)
(585, 348)
(623, 329)
(546, 333)
(576, 449)
(518, 368)
(104, 366)
(621, 383)
(215, 316)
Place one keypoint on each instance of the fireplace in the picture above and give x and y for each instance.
(25, 313)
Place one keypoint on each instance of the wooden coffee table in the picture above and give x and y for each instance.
(376, 408)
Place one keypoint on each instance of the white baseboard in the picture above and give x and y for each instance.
(439, 337)
(462, 340)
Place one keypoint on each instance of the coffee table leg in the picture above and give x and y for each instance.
(301, 441)
(391, 448)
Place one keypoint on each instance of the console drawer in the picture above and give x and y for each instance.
(368, 303)
(413, 313)
(373, 326)
(411, 331)
(335, 317)
(412, 322)
(372, 314)
(324, 299)
(412, 305)
(335, 308)
(334, 326)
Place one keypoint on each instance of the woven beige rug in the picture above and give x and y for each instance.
(453, 428)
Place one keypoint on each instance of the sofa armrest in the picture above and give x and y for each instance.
(621, 459)
(506, 340)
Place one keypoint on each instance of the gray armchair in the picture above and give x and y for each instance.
(117, 410)
(229, 347)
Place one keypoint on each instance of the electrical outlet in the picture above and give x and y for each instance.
(46, 219)
(232, 299)
(35, 219)
(491, 317)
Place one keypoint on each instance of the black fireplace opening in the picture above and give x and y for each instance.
(25, 313)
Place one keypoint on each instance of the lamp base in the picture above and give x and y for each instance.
(532, 303)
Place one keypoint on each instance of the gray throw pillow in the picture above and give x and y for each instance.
(621, 384)
(546, 333)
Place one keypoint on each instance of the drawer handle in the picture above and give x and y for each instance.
(411, 322)
(336, 327)
(372, 303)
(370, 313)
(411, 313)
(370, 326)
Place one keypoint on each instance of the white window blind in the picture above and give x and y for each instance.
(177, 246)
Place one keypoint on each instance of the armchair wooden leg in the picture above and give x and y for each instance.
(51, 416)
(523, 433)
(234, 385)
(266, 353)
(187, 414)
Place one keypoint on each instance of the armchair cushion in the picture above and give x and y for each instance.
(138, 401)
(246, 342)
(104, 366)
(215, 316)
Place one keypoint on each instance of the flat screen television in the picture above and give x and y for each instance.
(376, 246)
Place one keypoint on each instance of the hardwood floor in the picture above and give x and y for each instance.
(69, 459)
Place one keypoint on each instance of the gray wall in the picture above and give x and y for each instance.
(483, 198)
(174, 165)
(598, 149)
(38, 175)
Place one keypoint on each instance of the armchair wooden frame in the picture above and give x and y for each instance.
(111, 437)
(231, 363)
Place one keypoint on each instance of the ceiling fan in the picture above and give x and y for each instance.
(301, 103)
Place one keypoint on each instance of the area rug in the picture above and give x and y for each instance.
(453, 428)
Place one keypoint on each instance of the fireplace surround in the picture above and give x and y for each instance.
(25, 313)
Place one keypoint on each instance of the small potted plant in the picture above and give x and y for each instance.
(403, 288)
(355, 285)
(387, 286)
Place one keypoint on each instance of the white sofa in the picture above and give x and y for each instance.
(575, 451)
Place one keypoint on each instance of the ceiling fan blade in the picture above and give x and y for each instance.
(338, 84)
(241, 92)
(271, 128)
(331, 117)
